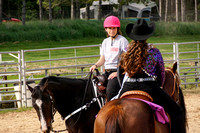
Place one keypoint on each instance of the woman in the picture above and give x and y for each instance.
(144, 70)
(112, 47)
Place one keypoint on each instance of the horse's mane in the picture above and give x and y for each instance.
(58, 79)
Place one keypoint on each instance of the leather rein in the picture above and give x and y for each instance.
(83, 107)
(175, 85)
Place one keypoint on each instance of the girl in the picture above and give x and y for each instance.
(111, 49)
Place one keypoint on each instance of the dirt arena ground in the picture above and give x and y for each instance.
(27, 121)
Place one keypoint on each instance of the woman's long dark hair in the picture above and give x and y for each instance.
(134, 59)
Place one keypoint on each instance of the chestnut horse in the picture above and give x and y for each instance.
(135, 116)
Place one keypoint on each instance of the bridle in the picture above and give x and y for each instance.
(175, 85)
(83, 107)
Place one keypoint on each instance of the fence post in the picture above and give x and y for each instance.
(75, 60)
(20, 75)
(198, 63)
(196, 78)
(185, 80)
(50, 63)
(24, 79)
(174, 52)
(177, 58)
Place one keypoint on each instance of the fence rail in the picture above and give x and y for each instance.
(19, 68)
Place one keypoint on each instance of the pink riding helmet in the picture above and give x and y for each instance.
(111, 21)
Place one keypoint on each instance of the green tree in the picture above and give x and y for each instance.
(23, 12)
(1, 11)
(40, 9)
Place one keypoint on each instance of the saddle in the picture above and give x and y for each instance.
(101, 83)
(161, 118)
(137, 94)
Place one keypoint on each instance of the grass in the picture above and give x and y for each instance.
(63, 29)
(19, 45)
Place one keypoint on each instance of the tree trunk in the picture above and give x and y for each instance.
(1, 3)
(99, 12)
(120, 9)
(160, 8)
(77, 9)
(87, 15)
(166, 10)
(172, 10)
(176, 10)
(40, 9)
(196, 14)
(72, 10)
(50, 12)
(182, 10)
(23, 12)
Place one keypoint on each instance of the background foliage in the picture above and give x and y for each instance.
(68, 29)
(62, 8)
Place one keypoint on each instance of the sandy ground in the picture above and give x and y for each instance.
(27, 121)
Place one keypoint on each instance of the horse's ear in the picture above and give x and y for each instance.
(30, 88)
(174, 67)
(45, 85)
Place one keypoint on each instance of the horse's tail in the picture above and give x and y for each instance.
(114, 122)
(182, 104)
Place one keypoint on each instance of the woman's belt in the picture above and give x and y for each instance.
(140, 79)
(110, 70)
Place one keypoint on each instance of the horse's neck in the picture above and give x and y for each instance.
(69, 99)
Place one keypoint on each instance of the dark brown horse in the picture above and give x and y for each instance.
(172, 87)
(74, 99)
(131, 115)
(172, 83)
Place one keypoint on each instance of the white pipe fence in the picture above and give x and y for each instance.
(73, 62)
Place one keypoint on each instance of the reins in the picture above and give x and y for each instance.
(87, 105)
(174, 81)
(174, 86)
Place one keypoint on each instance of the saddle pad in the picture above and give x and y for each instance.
(158, 111)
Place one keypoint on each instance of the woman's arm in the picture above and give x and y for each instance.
(160, 69)
(99, 63)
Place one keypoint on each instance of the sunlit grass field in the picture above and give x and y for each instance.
(27, 45)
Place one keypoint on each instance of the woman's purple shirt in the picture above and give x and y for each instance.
(155, 65)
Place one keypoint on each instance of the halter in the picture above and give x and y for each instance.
(84, 107)
(175, 85)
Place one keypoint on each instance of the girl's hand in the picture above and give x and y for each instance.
(92, 68)
(112, 75)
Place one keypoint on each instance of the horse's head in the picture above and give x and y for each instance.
(43, 105)
(172, 82)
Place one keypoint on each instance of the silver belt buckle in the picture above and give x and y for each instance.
(140, 79)
(130, 80)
